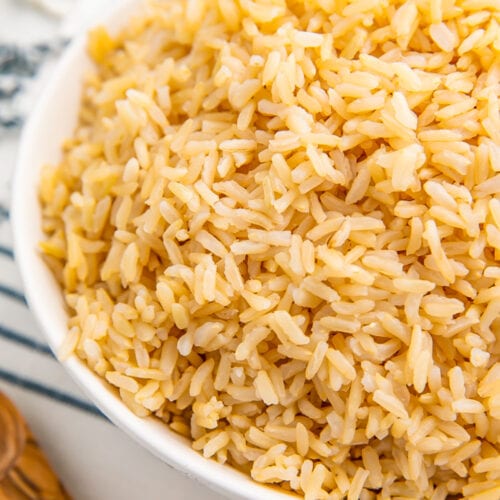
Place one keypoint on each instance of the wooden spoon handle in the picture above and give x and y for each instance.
(12, 436)
(25, 473)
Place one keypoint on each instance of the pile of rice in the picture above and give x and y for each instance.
(277, 227)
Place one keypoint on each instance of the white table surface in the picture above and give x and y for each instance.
(94, 459)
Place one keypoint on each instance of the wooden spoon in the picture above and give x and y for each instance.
(25, 473)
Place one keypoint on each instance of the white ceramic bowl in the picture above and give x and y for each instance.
(52, 120)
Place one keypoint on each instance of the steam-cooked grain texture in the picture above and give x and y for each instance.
(277, 227)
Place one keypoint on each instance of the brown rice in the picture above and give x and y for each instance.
(277, 227)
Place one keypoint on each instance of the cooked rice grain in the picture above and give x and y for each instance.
(277, 227)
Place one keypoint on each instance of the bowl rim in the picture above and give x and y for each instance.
(38, 281)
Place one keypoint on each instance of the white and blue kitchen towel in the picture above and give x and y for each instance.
(94, 459)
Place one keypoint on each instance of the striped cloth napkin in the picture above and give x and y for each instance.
(93, 458)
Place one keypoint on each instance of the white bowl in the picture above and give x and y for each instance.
(52, 120)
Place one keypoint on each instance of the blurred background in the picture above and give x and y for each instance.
(93, 458)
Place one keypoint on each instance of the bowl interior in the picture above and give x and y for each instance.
(52, 121)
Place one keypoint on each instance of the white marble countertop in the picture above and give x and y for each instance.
(94, 459)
